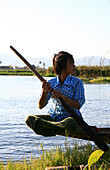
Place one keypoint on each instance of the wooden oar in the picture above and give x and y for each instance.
(91, 133)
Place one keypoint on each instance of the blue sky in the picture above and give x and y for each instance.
(40, 28)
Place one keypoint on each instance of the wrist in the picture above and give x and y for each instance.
(44, 92)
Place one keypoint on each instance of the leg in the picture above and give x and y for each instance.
(43, 125)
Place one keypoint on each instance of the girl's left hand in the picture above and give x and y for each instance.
(57, 94)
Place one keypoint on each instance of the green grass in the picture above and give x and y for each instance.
(100, 80)
(16, 72)
(69, 155)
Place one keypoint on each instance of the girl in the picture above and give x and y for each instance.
(69, 88)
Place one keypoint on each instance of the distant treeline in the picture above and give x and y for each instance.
(92, 71)
(88, 71)
(81, 71)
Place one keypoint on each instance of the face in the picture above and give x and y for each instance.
(70, 67)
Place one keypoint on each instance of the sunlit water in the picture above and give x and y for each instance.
(19, 96)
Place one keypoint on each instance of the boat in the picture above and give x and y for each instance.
(103, 132)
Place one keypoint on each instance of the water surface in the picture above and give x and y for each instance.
(19, 96)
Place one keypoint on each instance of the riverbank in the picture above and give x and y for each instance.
(59, 156)
(97, 80)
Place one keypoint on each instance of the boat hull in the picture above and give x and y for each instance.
(102, 132)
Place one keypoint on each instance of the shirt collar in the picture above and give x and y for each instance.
(66, 82)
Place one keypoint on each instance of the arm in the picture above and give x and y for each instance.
(46, 88)
(73, 103)
(42, 100)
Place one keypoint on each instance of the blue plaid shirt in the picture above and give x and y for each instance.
(71, 88)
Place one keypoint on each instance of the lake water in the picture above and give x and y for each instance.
(19, 96)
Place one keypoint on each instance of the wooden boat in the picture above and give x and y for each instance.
(90, 134)
(102, 132)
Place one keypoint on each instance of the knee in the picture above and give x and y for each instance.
(69, 122)
(30, 120)
(27, 120)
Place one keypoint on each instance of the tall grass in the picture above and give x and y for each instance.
(67, 155)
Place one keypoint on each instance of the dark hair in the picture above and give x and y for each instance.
(60, 61)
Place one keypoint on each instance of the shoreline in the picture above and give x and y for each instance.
(86, 80)
(97, 80)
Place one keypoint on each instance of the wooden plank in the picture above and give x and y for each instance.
(77, 167)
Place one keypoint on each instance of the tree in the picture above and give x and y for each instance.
(40, 62)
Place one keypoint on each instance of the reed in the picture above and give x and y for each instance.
(57, 155)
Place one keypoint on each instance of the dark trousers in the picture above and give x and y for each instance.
(44, 125)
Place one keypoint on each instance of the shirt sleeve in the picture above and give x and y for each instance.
(79, 92)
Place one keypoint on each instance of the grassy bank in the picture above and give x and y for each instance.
(69, 155)
(16, 72)
(29, 73)
(98, 80)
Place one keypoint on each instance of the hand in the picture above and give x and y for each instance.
(46, 87)
(57, 94)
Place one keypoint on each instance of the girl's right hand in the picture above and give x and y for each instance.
(46, 87)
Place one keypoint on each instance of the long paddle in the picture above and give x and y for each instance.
(93, 135)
